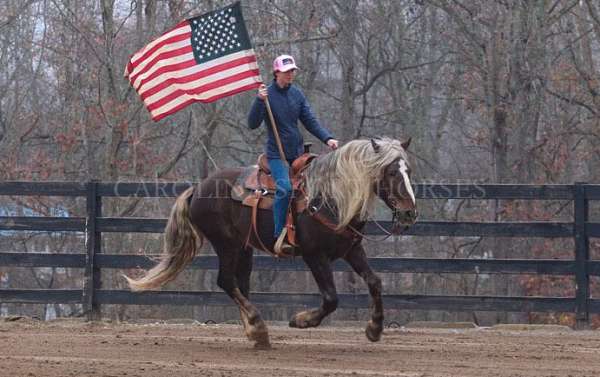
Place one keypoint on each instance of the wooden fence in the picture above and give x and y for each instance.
(93, 260)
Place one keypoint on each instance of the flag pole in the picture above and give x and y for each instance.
(275, 132)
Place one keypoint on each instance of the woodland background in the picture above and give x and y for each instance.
(491, 91)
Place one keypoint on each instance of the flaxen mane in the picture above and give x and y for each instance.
(345, 178)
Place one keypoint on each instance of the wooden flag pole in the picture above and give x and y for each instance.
(275, 132)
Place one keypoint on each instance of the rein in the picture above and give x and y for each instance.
(388, 234)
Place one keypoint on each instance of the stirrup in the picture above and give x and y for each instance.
(282, 248)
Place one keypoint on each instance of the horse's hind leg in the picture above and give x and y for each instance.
(321, 270)
(357, 259)
(236, 264)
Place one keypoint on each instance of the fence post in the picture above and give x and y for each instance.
(582, 256)
(93, 243)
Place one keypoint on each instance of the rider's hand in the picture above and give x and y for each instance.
(262, 92)
(333, 144)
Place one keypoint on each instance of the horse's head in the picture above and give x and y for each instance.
(352, 177)
(395, 189)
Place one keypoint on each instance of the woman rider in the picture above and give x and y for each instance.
(288, 105)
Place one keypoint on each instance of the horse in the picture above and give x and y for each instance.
(346, 182)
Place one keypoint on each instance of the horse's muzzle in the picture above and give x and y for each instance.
(403, 220)
(407, 217)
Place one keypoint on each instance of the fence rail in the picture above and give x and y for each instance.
(93, 260)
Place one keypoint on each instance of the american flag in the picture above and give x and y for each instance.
(201, 59)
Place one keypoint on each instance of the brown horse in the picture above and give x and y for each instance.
(344, 184)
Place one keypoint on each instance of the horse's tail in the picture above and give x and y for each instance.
(181, 243)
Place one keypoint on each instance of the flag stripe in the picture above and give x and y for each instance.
(193, 76)
(185, 100)
(170, 94)
(169, 65)
(166, 58)
(195, 88)
(187, 68)
(203, 96)
(171, 44)
(245, 85)
(181, 28)
(144, 83)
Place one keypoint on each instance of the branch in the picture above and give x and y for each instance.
(425, 161)
(132, 9)
(12, 18)
(556, 2)
(337, 99)
(390, 69)
(128, 211)
(180, 152)
(295, 40)
(573, 100)
(84, 36)
(585, 76)
(566, 9)
(595, 17)
(471, 36)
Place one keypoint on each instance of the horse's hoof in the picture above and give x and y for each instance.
(373, 331)
(256, 334)
(305, 319)
(262, 346)
(299, 322)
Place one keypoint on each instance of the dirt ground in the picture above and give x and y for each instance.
(72, 348)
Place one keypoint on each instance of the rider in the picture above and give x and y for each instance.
(288, 105)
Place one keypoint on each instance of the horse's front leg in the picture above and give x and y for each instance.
(321, 270)
(357, 259)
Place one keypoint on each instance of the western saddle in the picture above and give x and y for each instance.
(258, 177)
(256, 188)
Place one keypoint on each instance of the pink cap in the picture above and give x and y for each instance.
(284, 63)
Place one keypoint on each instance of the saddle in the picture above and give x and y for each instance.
(256, 188)
(258, 177)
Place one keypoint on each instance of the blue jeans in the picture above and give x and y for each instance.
(281, 175)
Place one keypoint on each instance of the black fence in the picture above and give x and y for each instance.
(94, 224)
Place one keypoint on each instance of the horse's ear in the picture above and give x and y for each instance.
(376, 147)
(406, 143)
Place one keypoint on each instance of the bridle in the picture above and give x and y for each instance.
(313, 211)
(385, 231)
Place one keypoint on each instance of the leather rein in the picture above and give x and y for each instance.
(385, 231)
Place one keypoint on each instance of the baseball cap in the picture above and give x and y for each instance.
(284, 63)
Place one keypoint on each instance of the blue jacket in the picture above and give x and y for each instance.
(288, 106)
